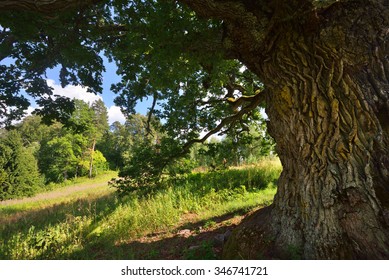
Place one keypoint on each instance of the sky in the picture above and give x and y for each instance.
(78, 92)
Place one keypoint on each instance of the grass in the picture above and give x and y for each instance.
(63, 193)
(94, 224)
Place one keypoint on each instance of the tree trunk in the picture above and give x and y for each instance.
(92, 150)
(328, 105)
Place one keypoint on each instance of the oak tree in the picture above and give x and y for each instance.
(320, 67)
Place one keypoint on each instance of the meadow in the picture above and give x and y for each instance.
(181, 219)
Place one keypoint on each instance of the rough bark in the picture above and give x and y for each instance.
(327, 77)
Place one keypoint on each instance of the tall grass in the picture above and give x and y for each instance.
(93, 227)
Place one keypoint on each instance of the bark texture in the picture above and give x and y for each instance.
(326, 71)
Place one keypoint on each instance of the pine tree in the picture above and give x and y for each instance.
(19, 175)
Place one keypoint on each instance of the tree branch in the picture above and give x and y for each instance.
(150, 114)
(44, 6)
(253, 102)
(6, 42)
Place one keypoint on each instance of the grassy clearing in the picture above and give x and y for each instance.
(95, 224)
(60, 194)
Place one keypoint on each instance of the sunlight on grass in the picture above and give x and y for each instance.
(92, 223)
(85, 188)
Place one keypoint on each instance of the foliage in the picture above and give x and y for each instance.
(19, 175)
(236, 148)
(98, 160)
(62, 152)
(143, 167)
(70, 151)
(58, 157)
(82, 119)
(320, 69)
(118, 143)
(32, 130)
(33, 43)
(163, 51)
(99, 118)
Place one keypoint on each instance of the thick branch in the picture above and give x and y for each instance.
(6, 42)
(150, 114)
(253, 103)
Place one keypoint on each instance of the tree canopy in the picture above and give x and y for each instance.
(163, 51)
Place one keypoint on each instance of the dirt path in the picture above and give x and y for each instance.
(61, 192)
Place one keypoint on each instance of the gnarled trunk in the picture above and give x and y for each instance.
(328, 105)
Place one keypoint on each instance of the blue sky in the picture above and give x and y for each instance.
(78, 92)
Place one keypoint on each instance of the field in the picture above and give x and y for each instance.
(188, 217)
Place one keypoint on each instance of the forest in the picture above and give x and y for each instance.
(319, 68)
(35, 157)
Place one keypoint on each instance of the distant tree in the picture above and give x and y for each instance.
(99, 164)
(58, 158)
(82, 120)
(118, 144)
(249, 143)
(90, 121)
(67, 152)
(241, 144)
(100, 119)
(32, 129)
(19, 175)
(112, 144)
(101, 126)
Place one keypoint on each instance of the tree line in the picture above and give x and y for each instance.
(34, 155)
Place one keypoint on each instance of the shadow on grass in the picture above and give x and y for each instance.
(192, 240)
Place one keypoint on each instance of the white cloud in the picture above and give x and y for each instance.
(29, 110)
(27, 113)
(114, 114)
(77, 92)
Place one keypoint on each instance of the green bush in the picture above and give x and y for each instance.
(236, 180)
